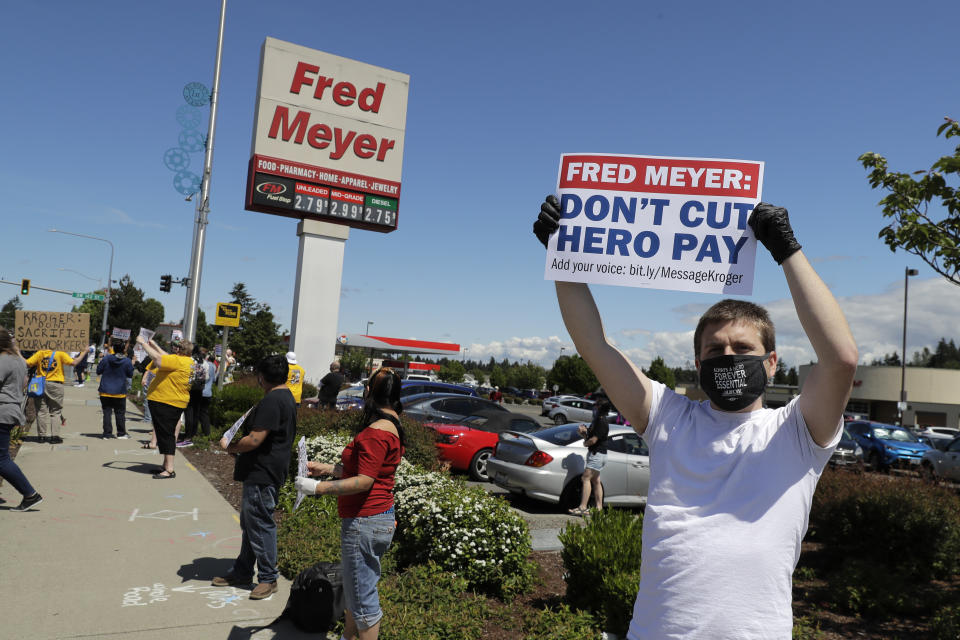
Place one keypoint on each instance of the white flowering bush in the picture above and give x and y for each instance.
(461, 529)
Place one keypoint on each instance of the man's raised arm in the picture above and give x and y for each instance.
(625, 384)
(826, 390)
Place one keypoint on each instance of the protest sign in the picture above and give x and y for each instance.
(120, 334)
(139, 353)
(301, 467)
(59, 330)
(656, 222)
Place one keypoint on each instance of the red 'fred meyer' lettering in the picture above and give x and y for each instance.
(344, 93)
(319, 136)
(689, 176)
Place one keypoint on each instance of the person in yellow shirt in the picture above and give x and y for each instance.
(295, 378)
(50, 364)
(168, 396)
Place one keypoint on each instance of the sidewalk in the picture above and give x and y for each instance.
(113, 553)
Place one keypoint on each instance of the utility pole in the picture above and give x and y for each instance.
(203, 206)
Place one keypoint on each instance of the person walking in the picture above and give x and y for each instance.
(595, 439)
(731, 482)
(365, 500)
(80, 369)
(115, 371)
(50, 364)
(168, 396)
(297, 374)
(262, 463)
(330, 386)
(13, 377)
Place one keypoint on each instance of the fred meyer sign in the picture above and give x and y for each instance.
(328, 138)
(228, 315)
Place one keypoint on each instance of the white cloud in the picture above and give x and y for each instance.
(876, 321)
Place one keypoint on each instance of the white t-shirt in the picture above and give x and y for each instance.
(727, 508)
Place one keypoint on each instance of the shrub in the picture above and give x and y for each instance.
(906, 527)
(309, 535)
(946, 623)
(560, 624)
(602, 559)
(231, 402)
(428, 603)
(464, 530)
(309, 391)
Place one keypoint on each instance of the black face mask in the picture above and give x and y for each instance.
(733, 382)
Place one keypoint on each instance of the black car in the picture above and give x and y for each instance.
(447, 408)
(848, 453)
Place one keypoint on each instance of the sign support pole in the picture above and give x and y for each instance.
(223, 359)
(316, 295)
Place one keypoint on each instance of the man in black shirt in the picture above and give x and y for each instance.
(595, 439)
(262, 462)
(330, 386)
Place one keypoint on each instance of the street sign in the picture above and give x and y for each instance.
(89, 296)
(228, 315)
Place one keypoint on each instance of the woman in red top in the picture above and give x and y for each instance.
(365, 500)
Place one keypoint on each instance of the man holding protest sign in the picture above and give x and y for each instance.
(731, 483)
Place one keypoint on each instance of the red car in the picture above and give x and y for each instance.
(468, 444)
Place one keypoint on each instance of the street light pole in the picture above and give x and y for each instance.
(366, 333)
(902, 405)
(203, 206)
(106, 304)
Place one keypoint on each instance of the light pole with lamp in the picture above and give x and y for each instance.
(902, 405)
(106, 304)
(367, 333)
(99, 281)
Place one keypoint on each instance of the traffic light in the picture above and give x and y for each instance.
(165, 283)
(25, 287)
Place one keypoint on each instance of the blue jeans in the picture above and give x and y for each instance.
(9, 470)
(259, 533)
(363, 542)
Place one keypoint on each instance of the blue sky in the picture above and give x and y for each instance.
(498, 90)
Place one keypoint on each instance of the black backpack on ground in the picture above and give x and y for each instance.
(316, 598)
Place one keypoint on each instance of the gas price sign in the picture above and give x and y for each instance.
(320, 202)
(328, 138)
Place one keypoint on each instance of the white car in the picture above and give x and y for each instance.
(939, 437)
(552, 402)
(575, 410)
(942, 465)
(547, 465)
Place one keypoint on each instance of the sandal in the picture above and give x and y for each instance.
(146, 445)
(577, 511)
(159, 475)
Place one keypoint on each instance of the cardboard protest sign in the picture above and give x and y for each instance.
(656, 222)
(59, 330)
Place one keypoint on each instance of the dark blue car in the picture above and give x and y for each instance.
(887, 445)
(410, 388)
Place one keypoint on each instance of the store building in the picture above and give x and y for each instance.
(933, 395)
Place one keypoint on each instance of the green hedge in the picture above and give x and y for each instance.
(602, 559)
(884, 540)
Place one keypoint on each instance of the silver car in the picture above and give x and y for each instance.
(574, 409)
(547, 465)
(553, 402)
(942, 465)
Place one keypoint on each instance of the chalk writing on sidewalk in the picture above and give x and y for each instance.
(164, 514)
(217, 597)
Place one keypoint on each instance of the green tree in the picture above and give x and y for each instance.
(780, 375)
(932, 234)
(8, 313)
(128, 310)
(945, 356)
(661, 373)
(497, 376)
(258, 335)
(572, 375)
(353, 362)
(529, 376)
(792, 377)
(206, 333)
(478, 374)
(451, 371)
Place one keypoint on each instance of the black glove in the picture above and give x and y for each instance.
(771, 225)
(549, 219)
